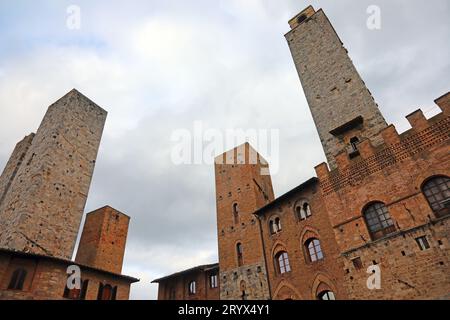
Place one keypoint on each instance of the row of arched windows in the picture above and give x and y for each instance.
(302, 211)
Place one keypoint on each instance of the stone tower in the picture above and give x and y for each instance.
(342, 107)
(243, 185)
(102, 243)
(48, 179)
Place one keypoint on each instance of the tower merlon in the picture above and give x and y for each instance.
(417, 120)
(444, 103)
(390, 135)
(322, 171)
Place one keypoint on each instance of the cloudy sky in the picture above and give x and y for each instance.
(159, 66)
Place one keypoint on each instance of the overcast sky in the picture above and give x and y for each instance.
(158, 66)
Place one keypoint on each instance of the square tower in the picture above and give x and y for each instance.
(342, 107)
(102, 243)
(243, 185)
(43, 205)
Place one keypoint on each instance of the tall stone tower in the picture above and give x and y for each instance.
(243, 185)
(342, 107)
(102, 243)
(45, 195)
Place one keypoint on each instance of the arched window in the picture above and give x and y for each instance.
(378, 220)
(282, 260)
(275, 225)
(17, 279)
(235, 213)
(239, 254)
(192, 287)
(303, 210)
(326, 295)
(314, 250)
(437, 192)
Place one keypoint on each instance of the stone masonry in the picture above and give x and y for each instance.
(335, 92)
(42, 208)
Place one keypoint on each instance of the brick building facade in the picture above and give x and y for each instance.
(379, 210)
(43, 192)
(198, 283)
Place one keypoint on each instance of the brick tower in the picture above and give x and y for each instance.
(243, 185)
(102, 243)
(48, 179)
(342, 107)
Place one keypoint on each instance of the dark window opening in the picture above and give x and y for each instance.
(354, 143)
(437, 192)
(357, 263)
(422, 242)
(301, 18)
(378, 220)
(17, 279)
(239, 252)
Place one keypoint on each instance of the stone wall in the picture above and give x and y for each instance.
(333, 88)
(42, 209)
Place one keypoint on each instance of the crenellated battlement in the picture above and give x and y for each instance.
(423, 135)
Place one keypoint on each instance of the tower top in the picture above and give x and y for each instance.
(301, 17)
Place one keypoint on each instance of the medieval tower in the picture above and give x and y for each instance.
(44, 187)
(243, 185)
(103, 240)
(342, 107)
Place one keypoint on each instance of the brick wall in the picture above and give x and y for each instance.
(246, 183)
(306, 279)
(102, 243)
(46, 278)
